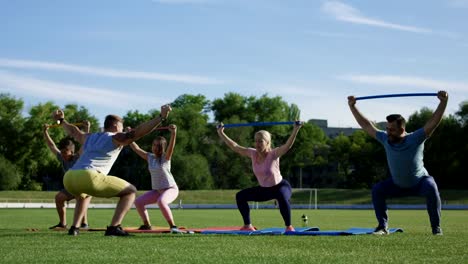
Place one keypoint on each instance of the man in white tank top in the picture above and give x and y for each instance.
(88, 177)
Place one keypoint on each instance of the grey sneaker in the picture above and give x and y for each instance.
(381, 230)
(437, 231)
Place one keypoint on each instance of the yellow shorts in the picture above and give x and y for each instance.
(90, 182)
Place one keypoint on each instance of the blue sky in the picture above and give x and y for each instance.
(115, 56)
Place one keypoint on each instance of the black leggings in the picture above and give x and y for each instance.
(281, 192)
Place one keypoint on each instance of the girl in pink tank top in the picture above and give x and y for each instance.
(265, 164)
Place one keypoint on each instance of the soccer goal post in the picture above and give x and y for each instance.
(312, 195)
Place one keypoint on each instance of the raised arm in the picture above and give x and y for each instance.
(50, 143)
(142, 129)
(70, 129)
(170, 147)
(365, 124)
(143, 154)
(434, 122)
(287, 146)
(231, 143)
(86, 127)
(134, 146)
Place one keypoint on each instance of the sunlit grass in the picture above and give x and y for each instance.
(415, 245)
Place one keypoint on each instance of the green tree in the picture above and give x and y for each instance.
(10, 177)
(369, 164)
(190, 115)
(13, 145)
(233, 106)
(463, 113)
(459, 165)
(11, 125)
(192, 172)
(418, 119)
(307, 157)
(340, 153)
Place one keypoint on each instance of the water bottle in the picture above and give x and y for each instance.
(305, 220)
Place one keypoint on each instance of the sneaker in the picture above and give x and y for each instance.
(381, 230)
(437, 231)
(290, 229)
(73, 231)
(115, 231)
(145, 227)
(84, 225)
(59, 225)
(175, 230)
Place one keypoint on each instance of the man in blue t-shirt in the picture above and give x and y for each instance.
(405, 160)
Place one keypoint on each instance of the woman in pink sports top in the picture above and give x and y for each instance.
(265, 164)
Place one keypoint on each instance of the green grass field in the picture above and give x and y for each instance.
(325, 196)
(415, 245)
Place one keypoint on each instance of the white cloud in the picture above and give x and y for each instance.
(407, 81)
(105, 72)
(347, 13)
(66, 93)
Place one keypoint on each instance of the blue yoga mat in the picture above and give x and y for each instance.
(348, 232)
(280, 230)
(266, 231)
(226, 232)
(361, 230)
(300, 231)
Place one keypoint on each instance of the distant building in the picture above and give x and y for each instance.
(332, 132)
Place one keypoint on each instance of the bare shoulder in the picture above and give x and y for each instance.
(121, 138)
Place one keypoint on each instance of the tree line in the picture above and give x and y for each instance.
(202, 161)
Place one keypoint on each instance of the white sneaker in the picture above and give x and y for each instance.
(175, 230)
(380, 230)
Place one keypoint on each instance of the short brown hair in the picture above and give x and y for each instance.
(65, 143)
(111, 119)
(401, 122)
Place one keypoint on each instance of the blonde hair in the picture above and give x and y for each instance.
(265, 135)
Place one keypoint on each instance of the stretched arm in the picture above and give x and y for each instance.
(70, 129)
(143, 154)
(362, 121)
(134, 146)
(231, 143)
(434, 122)
(287, 146)
(170, 147)
(50, 143)
(86, 128)
(142, 129)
